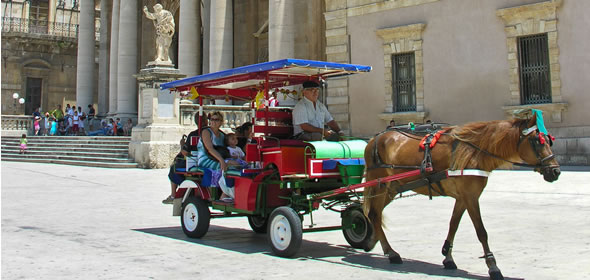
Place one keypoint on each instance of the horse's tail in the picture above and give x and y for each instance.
(368, 192)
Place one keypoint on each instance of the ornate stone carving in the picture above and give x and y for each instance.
(165, 27)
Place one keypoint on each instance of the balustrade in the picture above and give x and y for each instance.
(233, 116)
(44, 27)
(13, 125)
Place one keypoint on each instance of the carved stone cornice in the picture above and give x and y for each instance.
(538, 11)
(412, 31)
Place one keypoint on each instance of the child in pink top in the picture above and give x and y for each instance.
(37, 125)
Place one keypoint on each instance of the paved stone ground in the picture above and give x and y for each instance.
(67, 222)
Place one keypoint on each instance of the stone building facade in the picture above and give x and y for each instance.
(451, 61)
(458, 61)
(39, 51)
(104, 60)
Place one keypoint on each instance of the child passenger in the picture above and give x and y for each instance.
(237, 156)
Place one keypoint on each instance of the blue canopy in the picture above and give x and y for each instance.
(292, 70)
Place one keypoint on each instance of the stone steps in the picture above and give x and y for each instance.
(94, 151)
(48, 149)
(74, 162)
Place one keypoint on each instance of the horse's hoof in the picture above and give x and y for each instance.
(369, 245)
(367, 248)
(496, 275)
(449, 264)
(395, 259)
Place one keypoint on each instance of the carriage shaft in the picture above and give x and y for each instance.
(371, 183)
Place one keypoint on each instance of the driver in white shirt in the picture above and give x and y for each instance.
(310, 116)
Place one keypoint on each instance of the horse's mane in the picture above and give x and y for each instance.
(499, 138)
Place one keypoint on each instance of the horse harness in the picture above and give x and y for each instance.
(427, 143)
(537, 143)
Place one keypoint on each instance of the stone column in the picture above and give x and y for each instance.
(114, 58)
(221, 42)
(206, 14)
(281, 29)
(189, 38)
(221, 36)
(103, 59)
(127, 67)
(86, 49)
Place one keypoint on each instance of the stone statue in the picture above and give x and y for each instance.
(164, 23)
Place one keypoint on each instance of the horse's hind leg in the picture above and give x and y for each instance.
(447, 249)
(482, 235)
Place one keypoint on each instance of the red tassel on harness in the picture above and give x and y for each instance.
(423, 141)
(542, 138)
(436, 137)
(432, 141)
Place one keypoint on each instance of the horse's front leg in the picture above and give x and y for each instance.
(482, 235)
(447, 249)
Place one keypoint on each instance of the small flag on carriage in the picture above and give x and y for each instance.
(194, 93)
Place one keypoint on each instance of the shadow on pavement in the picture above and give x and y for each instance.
(247, 242)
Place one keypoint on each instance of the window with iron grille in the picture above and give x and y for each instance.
(533, 62)
(404, 82)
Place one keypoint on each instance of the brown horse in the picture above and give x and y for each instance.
(483, 146)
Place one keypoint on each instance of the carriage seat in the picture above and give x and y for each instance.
(280, 123)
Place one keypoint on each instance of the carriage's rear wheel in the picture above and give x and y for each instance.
(356, 227)
(258, 223)
(285, 232)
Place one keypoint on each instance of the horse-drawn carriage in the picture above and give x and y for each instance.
(284, 176)
(287, 179)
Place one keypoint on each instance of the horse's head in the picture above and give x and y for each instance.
(534, 147)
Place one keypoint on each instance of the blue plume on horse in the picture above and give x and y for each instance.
(540, 122)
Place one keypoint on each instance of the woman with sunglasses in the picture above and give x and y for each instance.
(210, 137)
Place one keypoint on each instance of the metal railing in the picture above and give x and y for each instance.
(16, 125)
(404, 82)
(535, 75)
(42, 27)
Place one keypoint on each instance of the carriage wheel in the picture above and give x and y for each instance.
(356, 228)
(258, 223)
(195, 217)
(285, 232)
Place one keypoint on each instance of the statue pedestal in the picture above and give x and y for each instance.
(164, 64)
(155, 139)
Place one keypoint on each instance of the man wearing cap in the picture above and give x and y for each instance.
(310, 116)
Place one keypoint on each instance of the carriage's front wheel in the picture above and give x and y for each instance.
(285, 232)
(356, 227)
